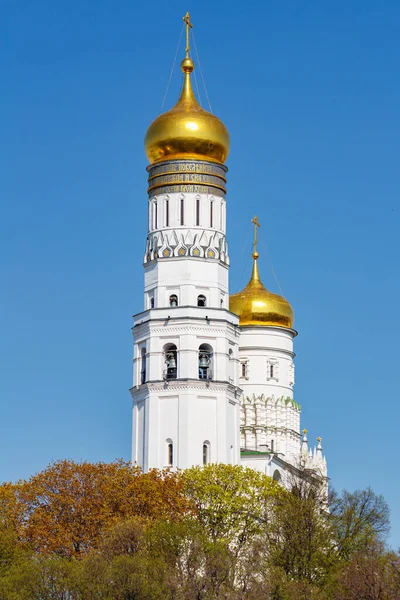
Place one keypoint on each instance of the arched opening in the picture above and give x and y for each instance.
(173, 300)
(201, 300)
(197, 212)
(212, 213)
(166, 212)
(205, 362)
(155, 215)
(206, 452)
(182, 211)
(171, 361)
(170, 453)
(277, 476)
(143, 366)
(230, 365)
(152, 302)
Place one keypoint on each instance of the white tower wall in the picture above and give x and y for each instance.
(185, 415)
(270, 418)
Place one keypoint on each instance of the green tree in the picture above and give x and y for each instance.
(357, 519)
(300, 541)
(370, 574)
(183, 562)
(233, 503)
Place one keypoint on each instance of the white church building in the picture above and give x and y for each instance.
(213, 374)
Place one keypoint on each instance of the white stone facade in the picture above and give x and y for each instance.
(270, 419)
(204, 388)
(186, 414)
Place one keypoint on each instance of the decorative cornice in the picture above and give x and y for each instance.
(262, 399)
(176, 329)
(195, 385)
(267, 349)
(264, 328)
(186, 243)
(253, 428)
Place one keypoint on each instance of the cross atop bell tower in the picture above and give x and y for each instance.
(189, 26)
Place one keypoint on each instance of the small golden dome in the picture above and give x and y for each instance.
(256, 306)
(187, 131)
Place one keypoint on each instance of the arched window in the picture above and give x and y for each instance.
(171, 361)
(152, 302)
(277, 476)
(205, 362)
(182, 211)
(143, 366)
(155, 215)
(231, 365)
(197, 211)
(272, 446)
(167, 212)
(212, 213)
(206, 453)
(201, 300)
(273, 369)
(173, 300)
(243, 368)
(170, 453)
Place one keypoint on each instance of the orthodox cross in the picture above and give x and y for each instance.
(256, 223)
(186, 19)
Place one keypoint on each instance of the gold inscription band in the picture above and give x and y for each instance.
(187, 176)
(187, 167)
(187, 189)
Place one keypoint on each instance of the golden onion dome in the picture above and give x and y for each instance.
(187, 131)
(256, 306)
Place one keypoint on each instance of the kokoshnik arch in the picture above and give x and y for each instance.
(213, 374)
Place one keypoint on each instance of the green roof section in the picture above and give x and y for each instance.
(254, 453)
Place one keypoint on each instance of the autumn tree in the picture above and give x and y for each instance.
(219, 532)
(64, 509)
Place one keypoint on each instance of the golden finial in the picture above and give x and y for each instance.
(186, 19)
(255, 277)
(305, 431)
(319, 440)
(255, 305)
(256, 223)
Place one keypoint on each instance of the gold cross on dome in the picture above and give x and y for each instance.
(319, 439)
(304, 431)
(186, 19)
(256, 223)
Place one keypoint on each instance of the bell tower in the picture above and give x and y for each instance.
(185, 396)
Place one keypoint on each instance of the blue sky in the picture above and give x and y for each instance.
(310, 94)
